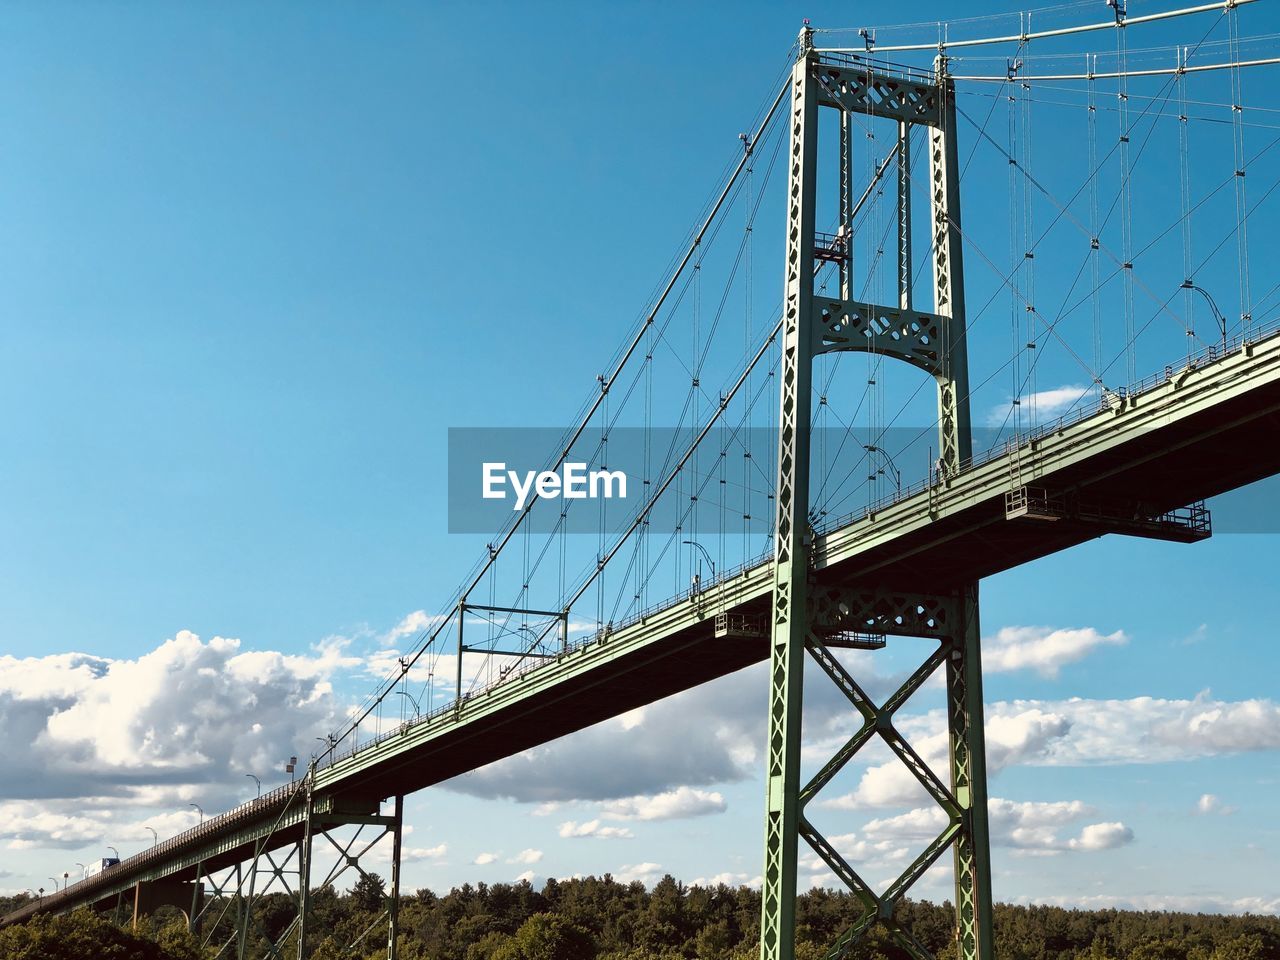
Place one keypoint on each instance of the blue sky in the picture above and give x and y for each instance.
(258, 264)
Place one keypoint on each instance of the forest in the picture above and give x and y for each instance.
(601, 919)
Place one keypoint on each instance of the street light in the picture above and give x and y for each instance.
(897, 474)
(417, 708)
(55, 884)
(198, 810)
(83, 870)
(114, 850)
(257, 781)
(1217, 314)
(155, 837)
(703, 550)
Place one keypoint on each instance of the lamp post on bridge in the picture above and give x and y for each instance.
(114, 850)
(884, 454)
(1218, 315)
(199, 810)
(83, 869)
(417, 708)
(257, 781)
(697, 580)
(155, 837)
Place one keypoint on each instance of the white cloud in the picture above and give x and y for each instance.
(729, 879)
(411, 625)
(1042, 649)
(484, 859)
(704, 736)
(672, 805)
(80, 726)
(646, 873)
(1157, 901)
(1211, 804)
(1077, 732)
(528, 876)
(526, 856)
(416, 854)
(1046, 404)
(592, 828)
(1020, 738)
(1102, 836)
(1028, 827)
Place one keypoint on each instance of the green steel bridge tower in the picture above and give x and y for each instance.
(802, 621)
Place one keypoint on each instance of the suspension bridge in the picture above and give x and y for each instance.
(859, 165)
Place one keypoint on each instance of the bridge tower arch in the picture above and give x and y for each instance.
(807, 621)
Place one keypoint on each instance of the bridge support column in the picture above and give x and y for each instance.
(149, 895)
(805, 619)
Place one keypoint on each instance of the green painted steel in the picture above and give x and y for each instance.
(934, 342)
(792, 535)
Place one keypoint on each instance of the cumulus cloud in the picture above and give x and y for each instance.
(1077, 732)
(593, 828)
(485, 859)
(729, 879)
(1026, 826)
(698, 738)
(188, 712)
(526, 856)
(1042, 649)
(418, 854)
(1211, 804)
(1101, 836)
(1020, 738)
(646, 873)
(672, 805)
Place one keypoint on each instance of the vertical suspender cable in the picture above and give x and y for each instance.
(1242, 206)
(1015, 280)
(750, 334)
(1091, 67)
(1028, 257)
(1184, 182)
(1126, 198)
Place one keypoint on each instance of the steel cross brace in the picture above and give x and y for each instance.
(879, 721)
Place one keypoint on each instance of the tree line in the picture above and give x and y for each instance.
(599, 918)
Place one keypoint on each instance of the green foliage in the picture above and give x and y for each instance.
(598, 918)
(546, 936)
(84, 935)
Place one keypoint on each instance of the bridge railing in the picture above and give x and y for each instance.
(1209, 354)
(81, 891)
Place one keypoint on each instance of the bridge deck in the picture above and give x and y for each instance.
(1194, 434)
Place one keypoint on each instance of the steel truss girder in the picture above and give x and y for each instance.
(843, 609)
(911, 335)
(860, 88)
